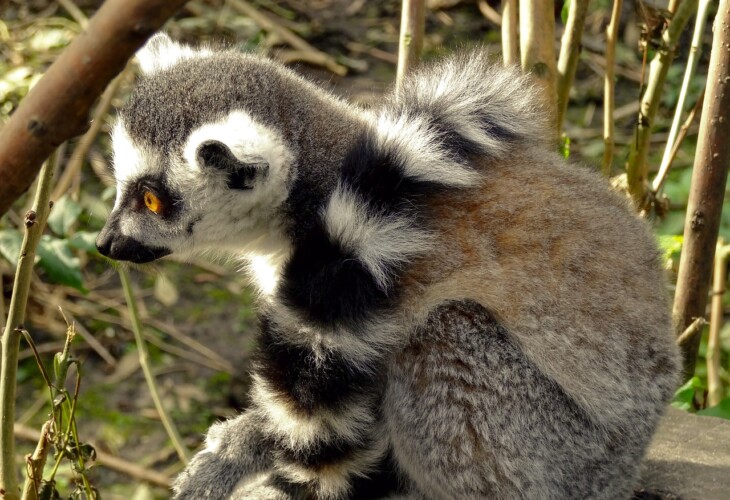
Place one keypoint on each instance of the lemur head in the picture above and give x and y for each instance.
(201, 164)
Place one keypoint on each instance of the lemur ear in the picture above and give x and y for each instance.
(160, 52)
(241, 174)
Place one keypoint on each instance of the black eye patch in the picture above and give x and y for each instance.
(171, 203)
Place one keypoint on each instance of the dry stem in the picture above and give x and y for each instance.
(537, 47)
(268, 23)
(410, 44)
(637, 169)
(35, 464)
(714, 384)
(707, 191)
(661, 176)
(692, 60)
(107, 460)
(608, 88)
(693, 329)
(510, 44)
(172, 432)
(35, 221)
(570, 48)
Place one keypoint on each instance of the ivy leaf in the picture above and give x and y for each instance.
(671, 245)
(65, 212)
(59, 263)
(684, 397)
(722, 410)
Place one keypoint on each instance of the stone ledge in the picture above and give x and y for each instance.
(689, 458)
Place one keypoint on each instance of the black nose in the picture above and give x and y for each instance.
(104, 241)
(117, 246)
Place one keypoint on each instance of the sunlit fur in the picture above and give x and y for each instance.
(448, 309)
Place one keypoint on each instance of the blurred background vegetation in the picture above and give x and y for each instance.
(198, 319)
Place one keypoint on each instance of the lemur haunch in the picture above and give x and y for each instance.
(448, 309)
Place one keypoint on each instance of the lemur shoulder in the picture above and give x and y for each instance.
(448, 309)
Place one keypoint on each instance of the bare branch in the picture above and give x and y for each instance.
(73, 167)
(707, 190)
(693, 329)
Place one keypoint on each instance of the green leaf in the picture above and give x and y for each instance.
(564, 146)
(59, 263)
(64, 214)
(722, 410)
(10, 242)
(671, 245)
(84, 240)
(565, 11)
(684, 397)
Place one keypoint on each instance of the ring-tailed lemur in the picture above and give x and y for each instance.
(448, 309)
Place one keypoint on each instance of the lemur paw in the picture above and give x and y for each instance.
(266, 486)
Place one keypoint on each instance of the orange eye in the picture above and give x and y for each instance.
(152, 202)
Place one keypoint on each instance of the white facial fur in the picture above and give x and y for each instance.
(161, 52)
(224, 221)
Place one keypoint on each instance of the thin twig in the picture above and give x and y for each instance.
(207, 358)
(105, 459)
(35, 221)
(661, 176)
(510, 44)
(570, 48)
(637, 168)
(693, 329)
(172, 432)
(268, 23)
(102, 351)
(39, 362)
(373, 51)
(489, 13)
(2, 302)
(75, 13)
(694, 56)
(608, 88)
(410, 44)
(714, 384)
